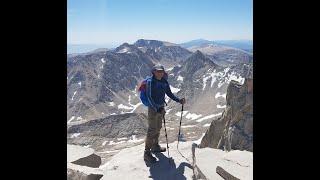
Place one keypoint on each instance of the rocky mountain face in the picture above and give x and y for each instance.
(203, 83)
(234, 129)
(99, 84)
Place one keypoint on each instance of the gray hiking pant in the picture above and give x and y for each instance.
(154, 127)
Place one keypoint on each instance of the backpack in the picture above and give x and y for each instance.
(142, 89)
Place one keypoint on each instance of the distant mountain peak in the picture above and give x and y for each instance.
(198, 55)
(198, 60)
(196, 42)
(152, 43)
(145, 42)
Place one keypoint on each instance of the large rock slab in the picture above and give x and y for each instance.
(238, 164)
(129, 164)
(82, 163)
(82, 156)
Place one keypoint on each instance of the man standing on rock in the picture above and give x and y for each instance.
(156, 88)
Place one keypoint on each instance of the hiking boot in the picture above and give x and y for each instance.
(148, 157)
(158, 148)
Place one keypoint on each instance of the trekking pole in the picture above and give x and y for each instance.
(180, 126)
(179, 137)
(165, 130)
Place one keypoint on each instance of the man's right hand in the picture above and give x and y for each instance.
(161, 110)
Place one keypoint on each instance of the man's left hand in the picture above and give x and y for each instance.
(183, 101)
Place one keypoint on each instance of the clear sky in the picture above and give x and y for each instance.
(177, 21)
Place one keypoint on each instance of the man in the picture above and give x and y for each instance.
(156, 88)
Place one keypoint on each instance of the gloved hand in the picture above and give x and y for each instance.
(161, 110)
(182, 100)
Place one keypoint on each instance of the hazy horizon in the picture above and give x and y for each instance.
(84, 48)
(112, 22)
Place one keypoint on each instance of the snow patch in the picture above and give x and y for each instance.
(114, 143)
(220, 84)
(113, 114)
(174, 90)
(124, 50)
(104, 143)
(135, 107)
(111, 103)
(213, 77)
(183, 113)
(129, 100)
(133, 139)
(169, 69)
(226, 69)
(188, 126)
(74, 135)
(180, 78)
(73, 95)
(193, 116)
(209, 117)
(72, 118)
(79, 118)
(79, 83)
(235, 77)
(205, 79)
(102, 60)
(220, 95)
(121, 106)
(206, 125)
(120, 139)
(221, 107)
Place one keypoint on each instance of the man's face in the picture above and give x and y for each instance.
(159, 74)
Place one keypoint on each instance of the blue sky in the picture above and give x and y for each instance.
(112, 22)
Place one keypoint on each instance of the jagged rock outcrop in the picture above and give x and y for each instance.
(82, 163)
(234, 129)
(78, 175)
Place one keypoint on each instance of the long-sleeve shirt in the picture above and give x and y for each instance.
(156, 90)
